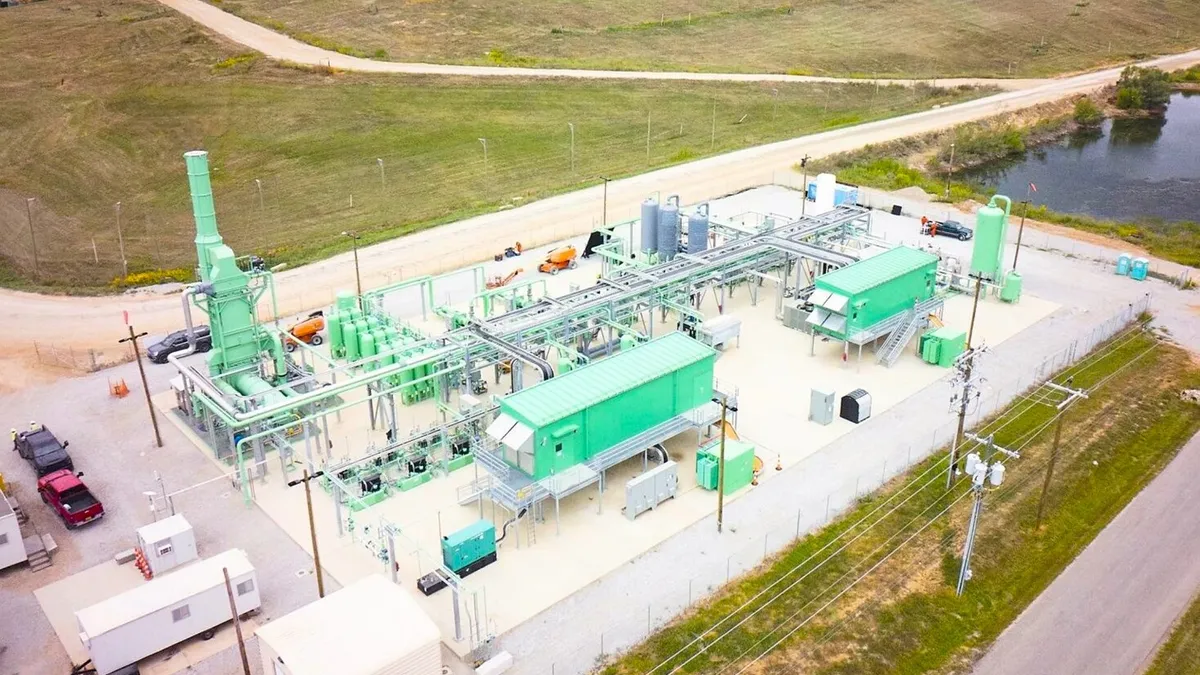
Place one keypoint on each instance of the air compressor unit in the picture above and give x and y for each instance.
(464, 552)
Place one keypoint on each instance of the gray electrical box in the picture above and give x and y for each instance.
(821, 406)
(795, 316)
(650, 489)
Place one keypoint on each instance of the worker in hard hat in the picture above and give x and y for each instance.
(34, 426)
(13, 432)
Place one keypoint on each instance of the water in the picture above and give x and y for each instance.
(1128, 170)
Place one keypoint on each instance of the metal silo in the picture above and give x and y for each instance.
(668, 229)
(991, 227)
(697, 231)
(649, 225)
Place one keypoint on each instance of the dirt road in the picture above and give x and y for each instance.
(283, 48)
(1109, 610)
(97, 322)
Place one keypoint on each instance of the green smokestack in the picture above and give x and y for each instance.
(203, 210)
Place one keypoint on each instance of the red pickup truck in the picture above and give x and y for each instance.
(75, 504)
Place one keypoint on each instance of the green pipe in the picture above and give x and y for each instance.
(682, 309)
(1007, 203)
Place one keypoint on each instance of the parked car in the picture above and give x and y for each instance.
(949, 228)
(43, 451)
(65, 493)
(177, 342)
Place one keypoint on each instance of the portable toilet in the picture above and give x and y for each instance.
(1139, 269)
(1124, 261)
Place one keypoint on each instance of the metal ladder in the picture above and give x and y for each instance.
(898, 339)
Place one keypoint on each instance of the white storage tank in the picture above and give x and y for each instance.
(826, 193)
(168, 543)
(649, 225)
(372, 627)
(165, 611)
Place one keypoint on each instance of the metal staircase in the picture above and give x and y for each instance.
(898, 339)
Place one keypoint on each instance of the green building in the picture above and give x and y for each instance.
(856, 297)
(739, 465)
(557, 424)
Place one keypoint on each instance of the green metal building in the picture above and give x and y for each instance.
(856, 297)
(567, 420)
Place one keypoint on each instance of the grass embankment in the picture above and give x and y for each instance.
(1181, 652)
(924, 162)
(908, 38)
(904, 616)
(132, 86)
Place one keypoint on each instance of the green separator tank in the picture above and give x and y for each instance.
(334, 322)
(1011, 290)
(991, 231)
(350, 339)
(345, 301)
(366, 348)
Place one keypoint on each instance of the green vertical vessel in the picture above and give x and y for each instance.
(991, 230)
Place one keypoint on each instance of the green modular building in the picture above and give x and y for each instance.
(856, 297)
(557, 424)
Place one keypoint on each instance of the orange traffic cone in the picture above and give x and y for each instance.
(118, 388)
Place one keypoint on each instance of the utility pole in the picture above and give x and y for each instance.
(1021, 229)
(721, 470)
(354, 237)
(965, 378)
(982, 470)
(121, 244)
(950, 171)
(132, 339)
(37, 273)
(804, 182)
(572, 126)
(1072, 396)
(237, 622)
(312, 526)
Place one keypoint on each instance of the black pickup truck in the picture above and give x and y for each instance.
(43, 451)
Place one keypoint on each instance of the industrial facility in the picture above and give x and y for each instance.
(473, 431)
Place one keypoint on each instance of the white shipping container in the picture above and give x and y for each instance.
(12, 547)
(166, 610)
(372, 627)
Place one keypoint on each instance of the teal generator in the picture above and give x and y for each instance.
(463, 552)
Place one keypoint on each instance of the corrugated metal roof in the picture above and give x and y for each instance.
(162, 592)
(567, 394)
(164, 529)
(365, 628)
(871, 272)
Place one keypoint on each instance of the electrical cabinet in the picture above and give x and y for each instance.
(650, 489)
(821, 405)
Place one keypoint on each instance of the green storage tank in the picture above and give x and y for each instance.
(350, 340)
(470, 548)
(366, 348)
(334, 322)
(991, 230)
(858, 296)
(345, 301)
(567, 420)
(1011, 290)
(739, 465)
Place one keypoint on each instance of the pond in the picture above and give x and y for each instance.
(1128, 170)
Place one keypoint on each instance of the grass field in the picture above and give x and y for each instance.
(904, 617)
(1181, 653)
(922, 38)
(132, 86)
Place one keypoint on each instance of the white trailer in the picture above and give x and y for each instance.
(167, 543)
(12, 547)
(167, 610)
(372, 627)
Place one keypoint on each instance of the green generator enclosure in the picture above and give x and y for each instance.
(858, 296)
(739, 465)
(466, 548)
(942, 346)
(557, 424)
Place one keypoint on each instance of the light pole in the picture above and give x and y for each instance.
(572, 125)
(804, 183)
(121, 245)
(32, 238)
(950, 171)
(604, 214)
(1021, 230)
(312, 526)
(382, 178)
(357, 277)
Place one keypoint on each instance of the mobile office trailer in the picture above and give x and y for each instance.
(167, 610)
(12, 547)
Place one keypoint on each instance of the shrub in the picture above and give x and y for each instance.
(152, 277)
(1129, 99)
(1087, 114)
(1148, 88)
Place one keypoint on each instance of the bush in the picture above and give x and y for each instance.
(1143, 89)
(1087, 114)
(153, 277)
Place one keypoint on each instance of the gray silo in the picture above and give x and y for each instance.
(649, 225)
(668, 229)
(697, 231)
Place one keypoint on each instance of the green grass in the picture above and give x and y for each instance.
(1181, 653)
(905, 618)
(918, 38)
(128, 92)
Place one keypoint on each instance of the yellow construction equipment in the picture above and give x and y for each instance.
(560, 259)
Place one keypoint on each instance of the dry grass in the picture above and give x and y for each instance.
(922, 38)
(132, 86)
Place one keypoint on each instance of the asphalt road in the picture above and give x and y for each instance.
(283, 48)
(1110, 609)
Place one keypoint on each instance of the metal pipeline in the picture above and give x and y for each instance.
(513, 351)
